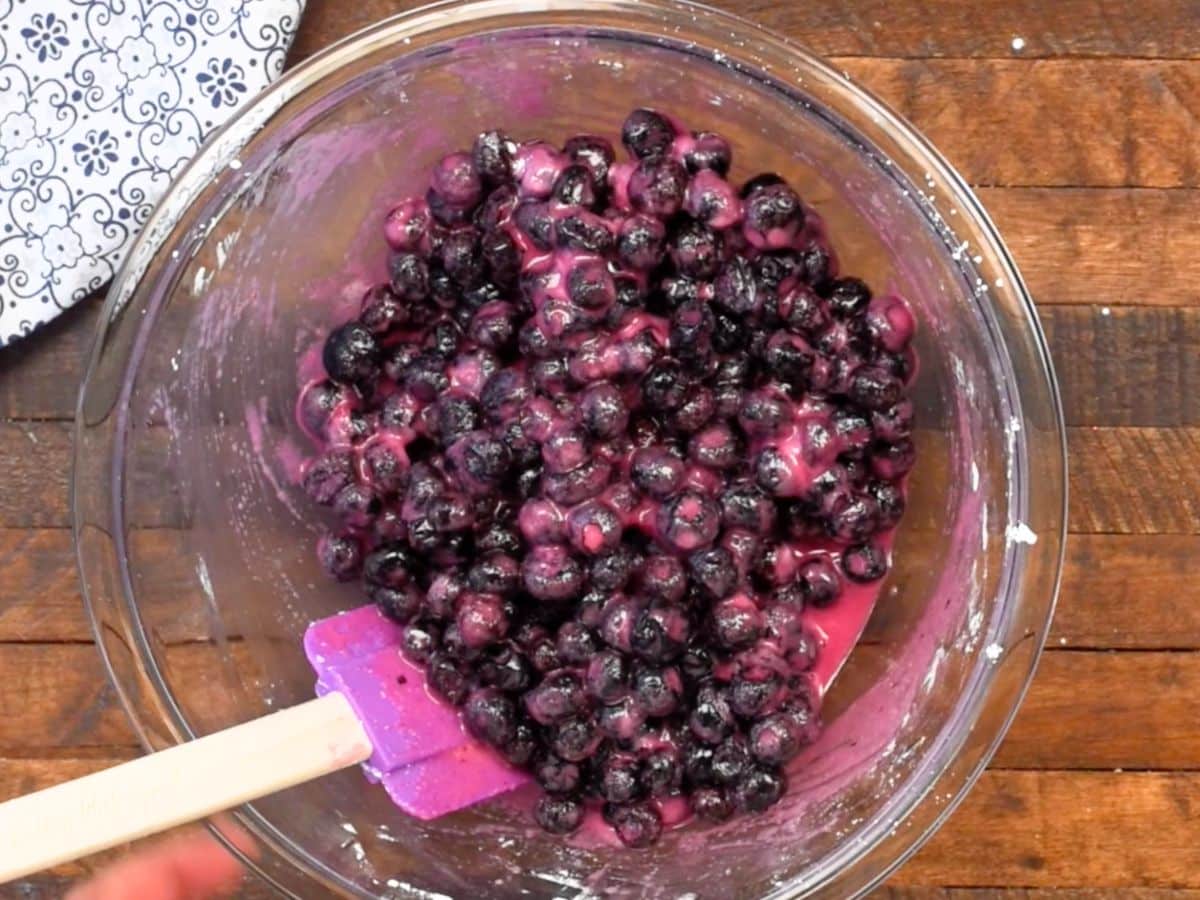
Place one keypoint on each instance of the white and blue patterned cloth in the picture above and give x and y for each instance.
(102, 102)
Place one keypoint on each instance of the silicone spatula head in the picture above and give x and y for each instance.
(423, 755)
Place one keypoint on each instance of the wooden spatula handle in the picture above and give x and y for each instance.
(179, 785)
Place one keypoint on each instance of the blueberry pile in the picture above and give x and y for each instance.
(605, 433)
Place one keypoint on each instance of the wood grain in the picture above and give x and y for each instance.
(882, 28)
(954, 893)
(1127, 591)
(1086, 710)
(1068, 830)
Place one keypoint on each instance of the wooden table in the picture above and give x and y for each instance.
(1079, 121)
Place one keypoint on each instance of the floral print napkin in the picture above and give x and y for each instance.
(102, 103)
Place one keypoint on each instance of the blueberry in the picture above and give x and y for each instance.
(576, 644)
(712, 569)
(891, 461)
(575, 187)
(607, 676)
(697, 763)
(579, 484)
(711, 719)
(317, 402)
(558, 776)
(737, 288)
(641, 243)
(872, 388)
(657, 187)
(550, 376)
(595, 153)
(356, 505)
(659, 634)
(717, 447)
(421, 640)
(340, 556)
(664, 386)
(773, 215)
(729, 333)
(503, 259)
(447, 679)
(494, 573)
(351, 355)
(736, 622)
(583, 231)
(506, 669)
(461, 258)
(382, 310)
(455, 415)
(504, 393)
(708, 151)
(760, 789)
(848, 297)
(864, 563)
(816, 265)
(659, 691)
(893, 423)
(853, 518)
(696, 250)
(492, 155)
(730, 761)
(409, 277)
(647, 134)
(711, 804)
(550, 573)
(491, 716)
(326, 475)
(619, 778)
(456, 181)
(661, 773)
(760, 181)
(695, 412)
(603, 411)
(656, 472)
(425, 377)
(753, 697)
(616, 627)
(482, 456)
(521, 750)
(565, 449)
(497, 209)
(613, 571)
(536, 223)
(406, 225)
(575, 739)
(559, 696)
(558, 814)
(590, 285)
(891, 502)
(689, 521)
(790, 360)
(638, 825)
(775, 740)
(712, 200)
(663, 579)
(593, 528)
(493, 326)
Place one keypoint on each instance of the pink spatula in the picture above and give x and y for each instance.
(373, 709)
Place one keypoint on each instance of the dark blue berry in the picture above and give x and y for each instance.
(607, 676)
(491, 716)
(641, 243)
(638, 825)
(712, 569)
(657, 187)
(864, 563)
(647, 134)
(708, 151)
(848, 297)
(557, 775)
(492, 154)
(760, 789)
(351, 355)
(575, 739)
(447, 679)
(327, 475)
(711, 804)
(558, 813)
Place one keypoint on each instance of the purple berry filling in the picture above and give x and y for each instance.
(604, 436)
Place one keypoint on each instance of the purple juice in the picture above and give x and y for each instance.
(621, 452)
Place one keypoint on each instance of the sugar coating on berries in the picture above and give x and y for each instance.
(608, 435)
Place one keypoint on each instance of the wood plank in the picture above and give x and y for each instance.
(1123, 480)
(1119, 591)
(1116, 123)
(1068, 830)
(1134, 480)
(42, 599)
(1126, 366)
(884, 28)
(1069, 251)
(1086, 710)
(1032, 830)
(1102, 893)
(1098, 710)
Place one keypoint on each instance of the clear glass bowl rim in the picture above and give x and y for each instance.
(758, 51)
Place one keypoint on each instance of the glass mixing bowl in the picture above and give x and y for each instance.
(196, 550)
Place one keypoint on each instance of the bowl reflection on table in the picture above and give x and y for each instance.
(196, 547)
